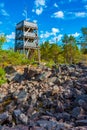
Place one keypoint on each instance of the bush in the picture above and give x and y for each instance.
(12, 58)
(50, 63)
(2, 76)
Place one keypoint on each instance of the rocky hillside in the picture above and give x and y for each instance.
(44, 99)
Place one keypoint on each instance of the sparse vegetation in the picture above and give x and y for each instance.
(68, 53)
(83, 40)
(12, 58)
(51, 54)
(2, 40)
(2, 76)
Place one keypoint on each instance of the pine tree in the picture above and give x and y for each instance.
(2, 40)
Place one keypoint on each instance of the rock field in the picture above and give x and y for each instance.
(44, 99)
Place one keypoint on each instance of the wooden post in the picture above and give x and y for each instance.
(38, 55)
(28, 53)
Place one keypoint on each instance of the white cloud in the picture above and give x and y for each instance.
(1, 5)
(55, 30)
(39, 6)
(47, 34)
(59, 37)
(39, 11)
(80, 14)
(74, 15)
(2, 10)
(39, 3)
(58, 14)
(56, 38)
(35, 21)
(10, 36)
(52, 36)
(55, 5)
(76, 34)
(4, 13)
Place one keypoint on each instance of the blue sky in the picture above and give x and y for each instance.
(54, 18)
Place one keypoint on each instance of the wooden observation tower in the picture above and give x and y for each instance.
(26, 37)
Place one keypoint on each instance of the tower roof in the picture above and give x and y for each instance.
(27, 24)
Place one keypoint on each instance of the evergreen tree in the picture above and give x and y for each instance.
(51, 52)
(56, 53)
(83, 40)
(70, 49)
(45, 50)
(2, 40)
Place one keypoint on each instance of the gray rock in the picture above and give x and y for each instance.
(34, 97)
(21, 95)
(23, 118)
(80, 128)
(2, 95)
(52, 79)
(59, 95)
(44, 75)
(18, 127)
(68, 93)
(82, 103)
(3, 117)
(59, 107)
(81, 122)
(65, 116)
(17, 78)
(9, 69)
(76, 112)
(82, 97)
(82, 117)
(37, 128)
(56, 89)
(46, 124)
(17, 112)
(11, 76)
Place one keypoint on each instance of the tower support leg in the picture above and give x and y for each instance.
(39, 55)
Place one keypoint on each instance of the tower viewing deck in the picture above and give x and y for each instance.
(26, 24)
(26, 36)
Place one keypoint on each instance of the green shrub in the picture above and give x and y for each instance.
(12, 58)
(50, 63)
(2, 76)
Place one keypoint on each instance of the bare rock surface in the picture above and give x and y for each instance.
(44, 99)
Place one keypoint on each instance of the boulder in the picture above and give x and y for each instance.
(3, 117)
(81, 122)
